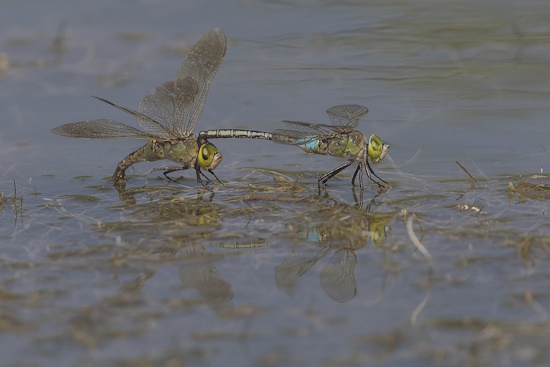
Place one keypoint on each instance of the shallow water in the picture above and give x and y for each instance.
(438, 270)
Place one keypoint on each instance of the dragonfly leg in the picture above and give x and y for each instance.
(199, 173)
(168, 170)
(327, 176)
(359, 170)
(209, 180)
(213, 174)
(199, 180)
(205, 176)
(355, 174)
(369, 171)
(358, 202)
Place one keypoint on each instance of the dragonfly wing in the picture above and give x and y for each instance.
(167, 105)
(201, 64)
(294, 137)
(101, 129)
(346, 117)
(144, 121)
(308, 128)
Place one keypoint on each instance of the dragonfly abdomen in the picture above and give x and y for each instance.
(313, 146)
(234, 133)
(145, 153)
(182, 151)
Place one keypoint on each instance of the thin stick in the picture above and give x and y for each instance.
(465, 170)
(416, 241)
(419, 309)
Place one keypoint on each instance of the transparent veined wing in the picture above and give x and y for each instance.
(295, 137)
(152, 126)
(308, 127)
(166, 108)
(201, 64)
(346, 117)
(101, 129)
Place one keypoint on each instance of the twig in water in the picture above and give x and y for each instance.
(419, 309)
(465, 170)
(416, 241)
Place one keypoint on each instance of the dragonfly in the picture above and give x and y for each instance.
(167, 116)
(339, 139)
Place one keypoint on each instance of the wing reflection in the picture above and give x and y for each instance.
(201, 274)
(337, 277)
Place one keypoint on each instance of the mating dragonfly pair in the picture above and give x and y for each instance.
(171, 112)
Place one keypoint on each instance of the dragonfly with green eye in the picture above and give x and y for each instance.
(339, 140)
(167, 116)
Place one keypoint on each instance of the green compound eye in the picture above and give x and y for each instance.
(375, 147)
(377, 150)
(209, 157)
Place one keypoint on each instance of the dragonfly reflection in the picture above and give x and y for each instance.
(340, 240)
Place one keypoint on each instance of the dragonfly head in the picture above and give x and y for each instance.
(377, 150)
(209, 157)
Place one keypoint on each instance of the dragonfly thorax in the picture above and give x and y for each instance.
(183, 151)
(351, 145)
